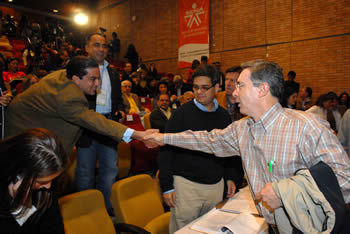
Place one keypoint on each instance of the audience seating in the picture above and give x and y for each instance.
(142, 158)
(135, 201)
(124, 159)
(85, 212)
(146, 102)
(147, 120)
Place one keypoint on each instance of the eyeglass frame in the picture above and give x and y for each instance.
(202, 88)
(239, 85)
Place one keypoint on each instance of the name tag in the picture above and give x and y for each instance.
(129, 118)
(101, 98)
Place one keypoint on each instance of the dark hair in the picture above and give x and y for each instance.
(288, 91)
(321, 99)
(237, 69)
(347, 96)
(204, 58)
(269, 72)
(35, 153)
(158, 96)
(195, 64)
(88, 38)
(160, 83)
(309, 91)
(332, 96)
(78, 66)
(208, 71)
(12, 59)
(292, 74)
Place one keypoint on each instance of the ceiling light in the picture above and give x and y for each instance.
(81, 19)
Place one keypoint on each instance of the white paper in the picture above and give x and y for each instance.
(129, 118)
(243, 223)
(242, 202)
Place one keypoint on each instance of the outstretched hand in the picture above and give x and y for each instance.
(146, 137)
(156, 138)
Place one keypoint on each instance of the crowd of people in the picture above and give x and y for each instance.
(83, 99)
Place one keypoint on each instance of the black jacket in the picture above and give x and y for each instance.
(117, 105)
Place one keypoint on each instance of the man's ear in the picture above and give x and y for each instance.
(264, 89)
(76, 79)
(217, 87)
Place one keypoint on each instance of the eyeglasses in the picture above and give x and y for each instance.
(240, 85)
(204, 88)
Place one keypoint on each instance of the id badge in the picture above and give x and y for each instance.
(101, 98)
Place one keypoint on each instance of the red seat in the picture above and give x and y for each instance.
(142, 158)
(146, 102)
(133, 121)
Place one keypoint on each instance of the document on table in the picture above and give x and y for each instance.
(217, 221)
(241, 202)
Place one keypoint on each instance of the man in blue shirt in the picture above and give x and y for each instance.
(94, 147)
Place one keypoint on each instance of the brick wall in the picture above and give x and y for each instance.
(308, 36)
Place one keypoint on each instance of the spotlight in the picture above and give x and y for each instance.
(81, 19)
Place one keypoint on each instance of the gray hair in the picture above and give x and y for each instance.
(269, 72)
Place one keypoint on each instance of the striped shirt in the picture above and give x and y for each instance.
(290, 139)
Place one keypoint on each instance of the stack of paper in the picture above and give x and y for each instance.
(217, 221)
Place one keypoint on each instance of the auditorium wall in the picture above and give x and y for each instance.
(308, 36)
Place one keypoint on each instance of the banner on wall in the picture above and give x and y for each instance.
(193, 31)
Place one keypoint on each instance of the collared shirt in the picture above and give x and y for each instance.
(203, 108)
(290, 139)
(167, 113)
(105, 105)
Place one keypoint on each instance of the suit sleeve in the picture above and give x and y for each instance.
(74, 108)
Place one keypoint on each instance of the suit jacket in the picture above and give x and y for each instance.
(127, 104)
(58, 104)
(158, 119)
(221, 98)
(117, 105)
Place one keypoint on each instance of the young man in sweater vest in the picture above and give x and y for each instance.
(193, 182)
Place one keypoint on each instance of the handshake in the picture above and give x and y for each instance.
(151, 137)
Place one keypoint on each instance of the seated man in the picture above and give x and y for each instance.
(131, 101)
(160, 116)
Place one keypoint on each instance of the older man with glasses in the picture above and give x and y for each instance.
(274, 142)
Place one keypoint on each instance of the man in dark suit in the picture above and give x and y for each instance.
(160, 116)
(96, 147)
